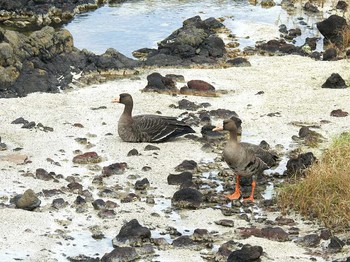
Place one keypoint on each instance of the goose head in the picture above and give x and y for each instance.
(123, 98)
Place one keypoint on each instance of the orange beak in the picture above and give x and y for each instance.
(115, 100)
(218, 128)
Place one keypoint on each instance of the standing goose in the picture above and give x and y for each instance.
(147, 128)
(241, 159)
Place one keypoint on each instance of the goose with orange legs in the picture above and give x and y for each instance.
(241, 159)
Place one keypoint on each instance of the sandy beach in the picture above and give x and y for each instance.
(291, 88)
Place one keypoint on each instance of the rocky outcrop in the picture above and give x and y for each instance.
(35, 14)
(195, 42)
(46, 61)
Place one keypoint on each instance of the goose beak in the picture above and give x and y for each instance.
(218, 128)
(115, 100)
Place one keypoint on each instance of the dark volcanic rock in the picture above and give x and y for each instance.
(27, 201)
(332, 29)
(239, 62)
(187, 165)
(87, 158)
(336, 244)
(311, 240)
(200, 85)
(187, 198)
(310, 7)
(278, 46)
(330, 54)
(59, 203)
(82, 258)
(183, 241)
(342, 5)
(195, 42)
(142, 184)
(121, 254)
(188, 105)
(133, 152)
(114, 169)
(133, 232)
(334, 81)
(339, 113)
(300, 163)
(38, 13)
(42, 174)
(45, 61)
(180, 178)
(275, 233)
(246, 253)
(158, 83)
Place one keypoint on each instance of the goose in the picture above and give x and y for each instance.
(241, 158)
(147, 128)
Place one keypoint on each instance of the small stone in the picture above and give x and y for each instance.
(106, 213)
(99, 204)
(239, 62)
(59, 203)
(187, 198)
(133, 152)
(183, 241)
(114, 169)
(334, 81)
(27, 201)
(142, 184)
(151, 147)
(246, 253)
(336, 244)
(225, 222)
(80, 200)
(20, 120)
(121, 254)
(180, 178)
(132, 231)
(29, 125)
(311, 240)
(339, 113)
(200, 85)
(275, 233)
(325, 234)
(3, 147)
(187, 165)
(42, 174)
(75, 187)
(81, 140)
(87, 158)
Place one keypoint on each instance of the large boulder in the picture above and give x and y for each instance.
(194, 42)
(333, 29)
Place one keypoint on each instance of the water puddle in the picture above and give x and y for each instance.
(81, 242)
(141, 24)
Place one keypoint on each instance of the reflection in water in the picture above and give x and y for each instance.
(137, 24)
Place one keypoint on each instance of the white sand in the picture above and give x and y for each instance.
(291, 85)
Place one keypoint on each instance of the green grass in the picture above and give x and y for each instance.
(324, 194)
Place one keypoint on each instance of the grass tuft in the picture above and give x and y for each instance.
(324, 194)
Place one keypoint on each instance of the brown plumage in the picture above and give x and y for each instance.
(147, 128)
(241, 159)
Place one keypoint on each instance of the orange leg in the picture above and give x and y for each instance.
(251, 197)
(237, 193)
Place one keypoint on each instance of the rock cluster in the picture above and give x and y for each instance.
(24, 14)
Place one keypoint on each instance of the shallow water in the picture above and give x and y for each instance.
(138, 24)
